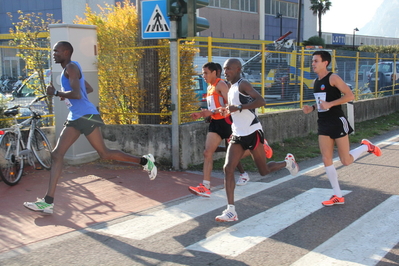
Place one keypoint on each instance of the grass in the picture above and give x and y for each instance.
(307, 147)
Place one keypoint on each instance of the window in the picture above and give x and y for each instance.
(235, 4)
(225, 4)
(288, 9)
(253, 7)
(283, 8)
(241, 5)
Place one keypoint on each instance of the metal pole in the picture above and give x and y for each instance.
(174, 95)
(354, 31)
(262, 20)
(298, 35)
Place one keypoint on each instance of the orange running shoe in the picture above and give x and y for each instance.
(372, 148)
(268, 149)
(200, 190)
(333, 201)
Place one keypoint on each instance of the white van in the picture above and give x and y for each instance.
(29, 85)
(387, 73)
(24, 94)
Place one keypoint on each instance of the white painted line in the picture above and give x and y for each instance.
(389, 140)
(244, 235)
(148, 225)
(390, 143)
(365, 242)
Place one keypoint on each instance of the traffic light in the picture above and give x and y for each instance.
(190, 24)
(176, 8)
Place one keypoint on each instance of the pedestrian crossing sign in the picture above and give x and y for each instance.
(155, 23)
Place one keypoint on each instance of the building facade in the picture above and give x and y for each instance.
(232, 19)
(258, 19)
(64, 11)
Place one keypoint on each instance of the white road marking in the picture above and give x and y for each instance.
(246, 234)
(394, 143)
(145, 226)
(148, 225)
(365, 242)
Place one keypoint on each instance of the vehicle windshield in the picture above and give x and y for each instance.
(364, 68)
(382, 67)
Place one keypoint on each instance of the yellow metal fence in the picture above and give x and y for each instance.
(282, 76)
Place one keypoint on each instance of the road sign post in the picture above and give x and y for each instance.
(174, 91)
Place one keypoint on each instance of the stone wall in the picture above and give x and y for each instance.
(156, 139)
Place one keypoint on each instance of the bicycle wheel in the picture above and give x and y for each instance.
(41, 148)
(11, 165)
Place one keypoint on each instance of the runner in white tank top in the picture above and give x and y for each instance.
(246, 121)
(243, 100)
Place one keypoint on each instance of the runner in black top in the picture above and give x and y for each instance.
(330, 92)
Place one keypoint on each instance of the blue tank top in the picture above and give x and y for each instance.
(77, 107)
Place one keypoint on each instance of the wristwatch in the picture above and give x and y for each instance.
(56, 93)
(239, 107)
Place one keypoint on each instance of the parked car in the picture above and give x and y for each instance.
(29, 85)
(387, 73)
(200, 88)
(363, 73)
(26, 92)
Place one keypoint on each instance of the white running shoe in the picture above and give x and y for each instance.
(292, 166)
(150, 166)
(40, 206)
(228, 215)
(243, 180)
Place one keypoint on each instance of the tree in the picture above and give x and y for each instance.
(31, 36)
(123, 94)
(118, 60)
(314, 40)
(319, 8)
(188, 99)
(387, 49)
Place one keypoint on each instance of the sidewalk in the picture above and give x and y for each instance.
(86, 194)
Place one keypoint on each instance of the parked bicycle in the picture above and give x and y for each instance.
(15, 150)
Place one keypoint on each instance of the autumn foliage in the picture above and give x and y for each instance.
(34, 46)
(120, 52)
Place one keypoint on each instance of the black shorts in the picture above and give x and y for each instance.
(249, 142)
(335, 127)
(86, 124)
(221, 127)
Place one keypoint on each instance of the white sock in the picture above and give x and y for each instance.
(358, 151)
(206, 183)
(287, 164)
(231, 207)
(333, 177)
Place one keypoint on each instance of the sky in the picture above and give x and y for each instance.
(346, 15)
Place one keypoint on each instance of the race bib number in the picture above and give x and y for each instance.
(320, 96)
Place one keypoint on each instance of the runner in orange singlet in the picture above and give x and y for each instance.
(219, 127)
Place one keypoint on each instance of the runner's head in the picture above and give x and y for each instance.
(324, 55)
(232, 70)
(209, 72)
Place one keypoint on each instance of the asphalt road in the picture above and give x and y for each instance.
(281, 222)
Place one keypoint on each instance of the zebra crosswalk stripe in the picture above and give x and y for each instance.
(364, 242)
(151, 224)
(243, 235)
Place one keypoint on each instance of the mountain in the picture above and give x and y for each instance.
(385, 21)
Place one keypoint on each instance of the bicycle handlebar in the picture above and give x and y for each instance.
(39, 98)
